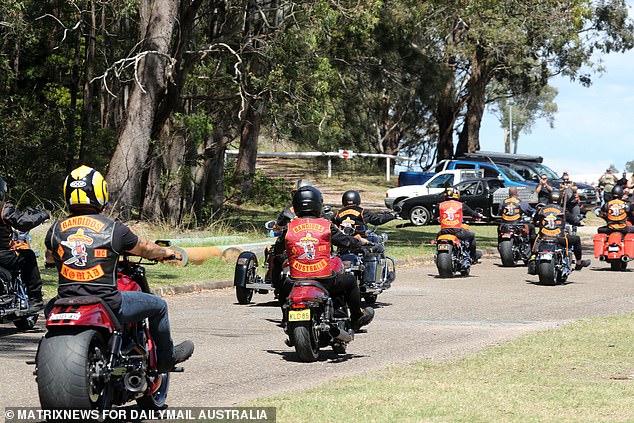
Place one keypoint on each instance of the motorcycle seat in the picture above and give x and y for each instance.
(311, 283)
(85, 300)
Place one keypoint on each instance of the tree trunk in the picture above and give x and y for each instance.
(89, 63)
(469, 140)
(446, 117)
(247, 154)
(131, 155)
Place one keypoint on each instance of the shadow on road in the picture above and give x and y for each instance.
(324, 356)
(19, 344)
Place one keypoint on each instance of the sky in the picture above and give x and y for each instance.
(593, 128)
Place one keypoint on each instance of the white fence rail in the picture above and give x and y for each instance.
(343, 154)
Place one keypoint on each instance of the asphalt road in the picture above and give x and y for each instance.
(240, 351)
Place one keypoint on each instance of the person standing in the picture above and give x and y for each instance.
(607, 181)
(543, 189)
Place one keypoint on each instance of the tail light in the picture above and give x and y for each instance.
(297, 304)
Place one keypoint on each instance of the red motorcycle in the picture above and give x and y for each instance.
(313, 319)
(89, 360)
(615, 249)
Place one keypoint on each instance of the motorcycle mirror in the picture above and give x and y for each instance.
(398, 208)
(163, 242)
(327, 209)
(269, 225)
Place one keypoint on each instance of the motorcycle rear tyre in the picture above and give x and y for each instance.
(370, 298)
(444, 263)
(64, 370)
(546, 272)
(305, 345)
(243, 294)
(506, 253)
(619, 266)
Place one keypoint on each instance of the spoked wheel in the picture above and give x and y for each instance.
(305, 342)
(506, 253)
(26, 323)
(243, 294)
(69, 369)
(444, 264)
(546, 272)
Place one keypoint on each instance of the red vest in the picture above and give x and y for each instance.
(308, 248)
(450, 214)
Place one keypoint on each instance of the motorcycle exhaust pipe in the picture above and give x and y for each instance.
(340, 335)
(135, 381)
(601, 257)
(625, 259)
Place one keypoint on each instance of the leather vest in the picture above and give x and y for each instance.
(308, 248)
(82, 248)
(551, 221)
(351, 217)
(6, 232)
(617, 214)
(511, 211)
(450, 213)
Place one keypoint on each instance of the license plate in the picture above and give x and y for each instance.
(613, 249)
(506, 235)
(546, 256)
(443, 247)
(64, 316)
(298, 315)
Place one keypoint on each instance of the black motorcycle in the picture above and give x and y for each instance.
(554, 262)
(374, 271)
(14, 301)
(514, 243)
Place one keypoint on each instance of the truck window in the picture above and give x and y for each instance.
(464, 166)
(479, 189)
(489, 172)
(441, 181)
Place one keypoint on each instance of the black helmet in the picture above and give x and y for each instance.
(3, 189)
(351, 197)
(451, 193)
(554, 197)
(617, 191)
(307, 201)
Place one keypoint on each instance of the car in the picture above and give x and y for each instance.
(482, 193)
(531, 167)
(497, 170)
(437, 183)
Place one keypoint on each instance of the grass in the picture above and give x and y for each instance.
(581, 372)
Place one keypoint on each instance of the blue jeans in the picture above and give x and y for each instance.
(137, 306)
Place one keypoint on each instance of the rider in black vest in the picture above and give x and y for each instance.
(85, 247)
(22, 260)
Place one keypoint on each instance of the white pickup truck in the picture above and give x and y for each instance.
(434, 185)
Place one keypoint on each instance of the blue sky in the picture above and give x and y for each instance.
(594, 126)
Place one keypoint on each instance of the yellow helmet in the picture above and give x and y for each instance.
(452, 193)
(85, 187)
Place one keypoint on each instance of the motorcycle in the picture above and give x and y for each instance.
(452, 256)
(554, 262)
(313, 319)
(615, 249)
(514, 244)
(246, 279)
(374, 271)
(14, 301)
(89, 360)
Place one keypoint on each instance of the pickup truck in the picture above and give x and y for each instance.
(484, 193)
(436, 184)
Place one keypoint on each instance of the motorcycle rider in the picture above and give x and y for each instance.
(85, 247)
(356, 218)
(307, 242)
(513, 209)
(450, 213)
(616, 212)
(22, 260)
(551, 221)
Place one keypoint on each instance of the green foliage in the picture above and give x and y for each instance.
(267, 191)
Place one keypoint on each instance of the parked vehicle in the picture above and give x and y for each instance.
(615, 249)
(452, 256)
(436, 184)
(89, 360)
(489, 170)
(484, 193)
(14, 301)
(413, 178)
(554, 262)
(531, 167)
(314, 320)
(514, 244)
(375, 272)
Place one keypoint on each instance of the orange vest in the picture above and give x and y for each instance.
(617, 213)
(308, 248)
(450, 214)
